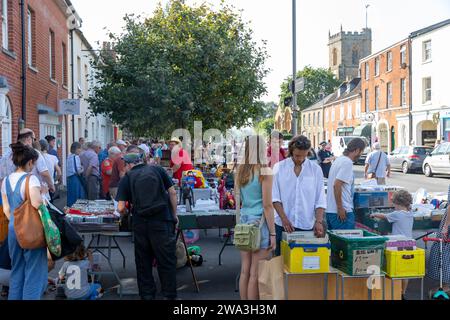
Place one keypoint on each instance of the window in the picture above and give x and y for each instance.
(5, 30)
(318, 119)
(64, 65)
(79, 75)
(426, 91)
(377, 97)
(367, 70)
(377, 66)
(389, 95)
(366, 102)
(349, 111)
(402, 54)
(342, 112)
(31, 38)
(309, 119)
(426, 57)
(355, 57)
(52, 55)
(304, 119)
(334, 56)
(389, 61)
(6, 126)
(403, 92)
(314, 119)
(86, 77)
(358, 109)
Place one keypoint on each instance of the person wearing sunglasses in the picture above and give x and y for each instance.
(298, 192)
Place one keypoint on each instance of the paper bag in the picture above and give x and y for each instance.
(271, 279)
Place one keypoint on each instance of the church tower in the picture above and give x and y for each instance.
(345, 51)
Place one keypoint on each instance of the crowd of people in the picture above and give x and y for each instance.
(281, 190)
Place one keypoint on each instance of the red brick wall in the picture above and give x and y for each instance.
(40, 89)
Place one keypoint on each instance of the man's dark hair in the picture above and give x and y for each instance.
(354, 145)
(22, 154)
(24, 136)
(50, 138)
(132, 148)
(300, 143)
(74, 147)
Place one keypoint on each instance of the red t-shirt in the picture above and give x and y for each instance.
(118, 168)
(186, 164)
(272, 157)
(106, 166)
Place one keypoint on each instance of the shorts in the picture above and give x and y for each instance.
(335, 224)
(265, 234)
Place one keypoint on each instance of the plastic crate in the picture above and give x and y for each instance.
(401, 264)
(356, 255)
(306, 258)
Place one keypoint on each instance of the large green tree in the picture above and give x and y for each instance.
(316, 80)
(181, 65)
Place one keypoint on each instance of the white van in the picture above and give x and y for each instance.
(339, 144)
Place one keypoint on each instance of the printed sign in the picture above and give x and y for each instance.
(69, 106)
(363, 259)
(311, 263)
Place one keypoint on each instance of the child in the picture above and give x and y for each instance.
(75, 264)
(402, 220)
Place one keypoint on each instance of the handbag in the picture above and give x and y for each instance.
(247, 236)
(81, 178)
(51, 231)
(374, 174)
(70, 239)
(27, 223)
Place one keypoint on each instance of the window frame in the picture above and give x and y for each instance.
(52, 55)
(403, 92)
(5, 21)
(425, 51)
(377, 66)
(402, 54)
(377, 98)
(389, 95)
(367, 100)
(367, 70)
(389, 61)
(425, 90)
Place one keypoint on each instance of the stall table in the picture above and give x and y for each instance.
(325, 275)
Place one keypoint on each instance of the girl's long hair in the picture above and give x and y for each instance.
(253, 162)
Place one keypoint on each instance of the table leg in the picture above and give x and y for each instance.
(286, 286)
(421, 288)
(120, 250)
(223, 247)
(337, 287)
(190, 262)
(342, 287)
(325, 288)
(384, 287)
(392, 289)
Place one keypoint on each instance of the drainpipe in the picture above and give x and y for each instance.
(410, 92)
(73, 80)
(22, 121)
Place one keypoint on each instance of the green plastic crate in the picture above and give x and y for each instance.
(355, 256)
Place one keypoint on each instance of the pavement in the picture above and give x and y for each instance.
(219, 282)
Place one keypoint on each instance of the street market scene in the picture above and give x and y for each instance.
(224, 150)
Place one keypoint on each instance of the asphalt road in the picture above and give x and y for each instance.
(411, 181)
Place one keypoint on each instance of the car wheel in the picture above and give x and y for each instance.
(405, 168)
(427, 171)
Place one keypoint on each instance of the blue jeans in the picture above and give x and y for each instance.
(279, 232)
(335, 224)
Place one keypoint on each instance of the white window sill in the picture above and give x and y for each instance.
(426, 62)
(9, 53)
(34, 69)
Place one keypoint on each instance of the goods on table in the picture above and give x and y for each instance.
(91, 216)
(304, 253)
(356, 251)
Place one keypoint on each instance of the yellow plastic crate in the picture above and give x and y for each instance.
(306, 258)
(409, 263)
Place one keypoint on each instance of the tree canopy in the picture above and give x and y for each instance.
(182, 64)
(316, 80)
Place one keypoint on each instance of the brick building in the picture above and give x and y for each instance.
(43, 52)
(385, 94)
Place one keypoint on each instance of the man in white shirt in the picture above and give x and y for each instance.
(40, 170)
(377, 163)
(341, 182)
(298, 192)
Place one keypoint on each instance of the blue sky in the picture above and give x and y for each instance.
(390, 20)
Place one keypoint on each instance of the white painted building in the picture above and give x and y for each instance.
(430, 84)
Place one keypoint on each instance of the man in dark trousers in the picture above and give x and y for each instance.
(154, 208)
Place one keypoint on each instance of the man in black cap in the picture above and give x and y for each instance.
(326, 159)
(154, 208)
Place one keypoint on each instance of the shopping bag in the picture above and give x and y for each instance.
(270, 279)
(51, 231)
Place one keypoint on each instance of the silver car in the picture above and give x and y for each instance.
(409, 158)
(438, 161)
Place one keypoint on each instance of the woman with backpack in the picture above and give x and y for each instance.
(254, 190)
(29, 267)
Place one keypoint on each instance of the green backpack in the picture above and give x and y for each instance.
(51, 231)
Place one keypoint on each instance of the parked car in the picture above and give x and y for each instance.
(339, 144)
(409, 158)
(438, 161)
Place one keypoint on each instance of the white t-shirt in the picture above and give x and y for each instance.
(51, 161)
(15, 177)
(342, 169)
(39, 167)
(402, 223)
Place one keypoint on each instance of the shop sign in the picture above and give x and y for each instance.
(69, 106)
(363, 259)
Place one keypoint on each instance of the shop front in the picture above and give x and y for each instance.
(445, 125)
(345, 131)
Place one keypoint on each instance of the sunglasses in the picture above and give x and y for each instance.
(302, 145)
